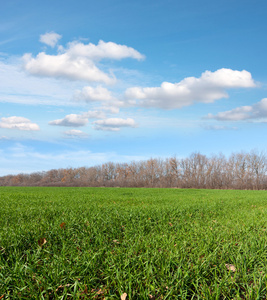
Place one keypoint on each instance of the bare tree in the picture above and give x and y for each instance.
(239, 171)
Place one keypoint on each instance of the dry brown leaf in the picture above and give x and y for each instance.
(42, 241)
(62, 225)
(159, 297)
(98, 291)
(116, 241)
(85, 291)
(1, 297)
(230, 267)
(62, 286)
(123, 296)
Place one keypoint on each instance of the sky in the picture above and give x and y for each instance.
(87, 82)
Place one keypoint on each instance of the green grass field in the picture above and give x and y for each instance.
(98, 243)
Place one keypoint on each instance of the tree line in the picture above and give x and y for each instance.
(238, 171)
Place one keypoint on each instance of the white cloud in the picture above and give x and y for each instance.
(78, 61)
(72, 120)
(218, 127)
(106, 128)
(94, 114)
(64, 66)
(257, 111)
(99, 94)
(103, 50)
(3, 137)
(74, 133)
(209, 87)
(75, 120)
(19, 123)
(90, 94)
(50, 38)
(25, 159)
(111, 109)
(114, 124)
(16, 86)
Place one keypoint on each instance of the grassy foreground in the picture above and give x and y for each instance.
(99, 243)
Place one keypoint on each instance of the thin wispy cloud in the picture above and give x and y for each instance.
(22, 159)
(4, 138)
(74, 133)
(114, 124)
(218, 127)
(18, 87)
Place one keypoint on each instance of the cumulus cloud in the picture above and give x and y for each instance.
(64, 66)
(114, 124)
(209, 87)
(76, 120)
(78, 61)
(103, 50)
(50, 38)
(91, 94)
(72, 120)
(99, 94)
(19, 123)
(74, 133)
(257, 111)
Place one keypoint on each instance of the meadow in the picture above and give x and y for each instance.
(100, 243)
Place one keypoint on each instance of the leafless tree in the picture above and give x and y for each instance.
(239, 171)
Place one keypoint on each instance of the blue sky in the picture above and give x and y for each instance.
(86, 82)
